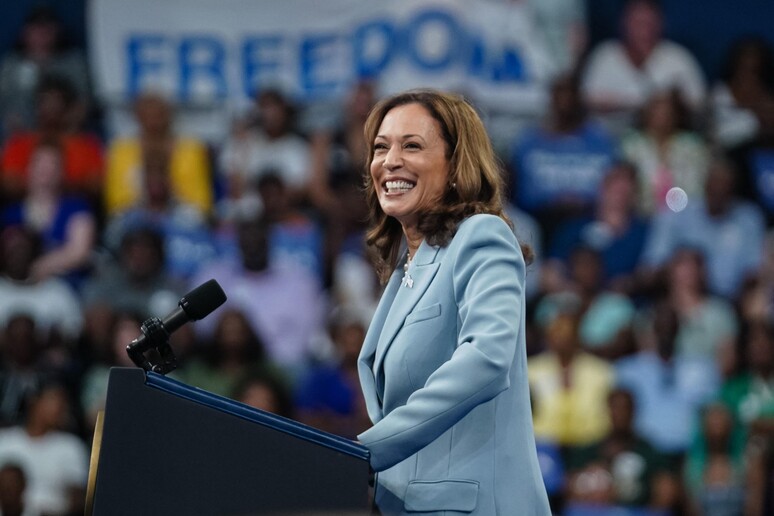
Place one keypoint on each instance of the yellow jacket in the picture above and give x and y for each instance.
(191, 181)
(576, 416)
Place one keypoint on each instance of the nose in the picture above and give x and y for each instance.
(392, 159)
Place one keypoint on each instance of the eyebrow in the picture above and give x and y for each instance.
(403, 136)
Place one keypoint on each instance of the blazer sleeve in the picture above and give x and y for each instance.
(488, 286)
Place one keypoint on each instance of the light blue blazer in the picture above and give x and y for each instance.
(444, 373)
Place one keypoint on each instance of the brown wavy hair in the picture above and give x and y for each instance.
(475, 183)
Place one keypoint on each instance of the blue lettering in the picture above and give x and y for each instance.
(141, 51)
(202, 61)
(416, 48)
(510, 67)
(477, 61)
(314, 60)
(260, 56)
(371, 48)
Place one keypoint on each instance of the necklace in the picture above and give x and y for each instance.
(407, 281)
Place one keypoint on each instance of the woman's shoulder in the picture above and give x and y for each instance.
(481, 222)
(484, 230)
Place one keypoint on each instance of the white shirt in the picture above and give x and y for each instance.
(731, 124)
(51, 303)
(53, 463)
(610, 75)
(253, 155)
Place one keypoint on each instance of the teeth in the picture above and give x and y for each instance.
(398, 185)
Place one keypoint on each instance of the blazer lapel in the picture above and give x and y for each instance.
(368, 351)
(422, 272)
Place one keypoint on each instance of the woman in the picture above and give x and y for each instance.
(746, 84)
(666, 152)
(233, 351)
(707, 324)
(187, 158)
(65, 222)
(443, 366)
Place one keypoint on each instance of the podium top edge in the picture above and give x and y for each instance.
(235, 408)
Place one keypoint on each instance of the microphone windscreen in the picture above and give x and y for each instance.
(202, 300)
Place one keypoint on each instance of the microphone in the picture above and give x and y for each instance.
(195, 305)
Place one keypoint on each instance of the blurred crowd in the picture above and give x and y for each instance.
(646, 190)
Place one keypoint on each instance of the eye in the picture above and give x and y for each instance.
(380, 147)
(412, 145)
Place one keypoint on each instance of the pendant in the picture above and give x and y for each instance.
(407, 280)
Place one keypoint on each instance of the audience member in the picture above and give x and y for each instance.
(632, 463)
(707, 324)
(714, 466)
(562, 24)
(614, 230)
(56, 461)
(42, 49)
(296, 240)
(82, 160)
(22, 372)
(750, 394)
(569, 387)
(262, 146)
(233, 350)
(265, 389)
(755, 161)
(13, 485)
(727, 230)
(328, 396)
(336, 186)
(338, 154)
(605, 316)
(284, 306)
(746, 84)
(65, 222)
(188, 240)
(557, 167)
(666, 153)
(621, 74)
(749, 397)
(50, 302)
(668, 389)
(186, 159)
(134, 281)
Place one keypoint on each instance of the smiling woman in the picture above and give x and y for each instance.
(409, 167)
(443, 366)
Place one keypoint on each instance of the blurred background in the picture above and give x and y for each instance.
(151, 145)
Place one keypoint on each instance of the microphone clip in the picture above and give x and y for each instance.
(156, 338)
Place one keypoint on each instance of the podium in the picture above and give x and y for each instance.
(170, 449)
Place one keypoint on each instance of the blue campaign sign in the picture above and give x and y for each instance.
(214, 54)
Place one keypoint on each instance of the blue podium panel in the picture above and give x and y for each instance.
(171, 449)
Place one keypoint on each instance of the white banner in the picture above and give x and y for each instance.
(216, 51)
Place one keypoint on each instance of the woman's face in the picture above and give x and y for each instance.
(45, 170)
(260, 396)
(409, 168)
(232, 333)
(685, 270)
(661, 116)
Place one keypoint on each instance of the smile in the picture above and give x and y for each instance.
(398, 186)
